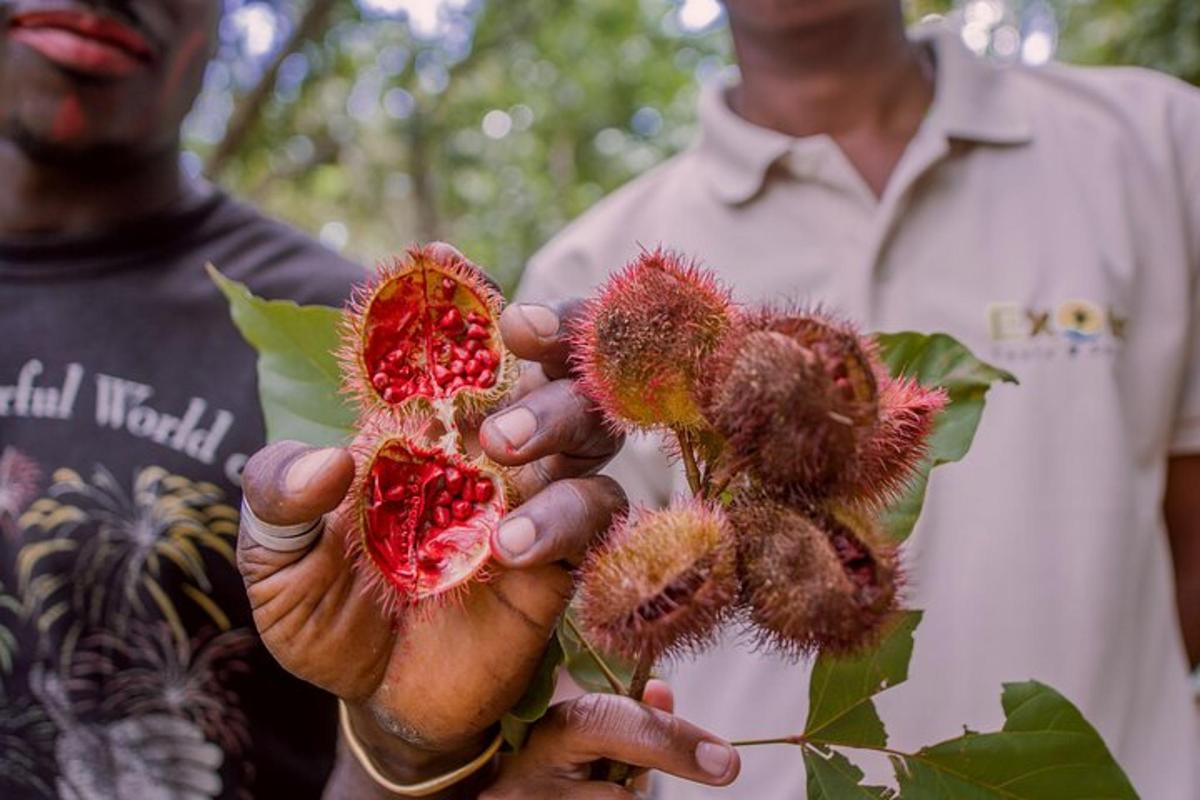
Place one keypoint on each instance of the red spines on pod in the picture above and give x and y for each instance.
(640, 342)
(897, 444)
(421, 519)
(661, 583)
(814, 580)
(425, 330)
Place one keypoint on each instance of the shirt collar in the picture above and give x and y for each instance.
(974, 101)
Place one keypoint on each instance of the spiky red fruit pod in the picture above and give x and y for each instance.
(661, 583)
(821, 580)
(794, 395)
(420, 519)
(425, 330)
(897, 444)
(640, 342)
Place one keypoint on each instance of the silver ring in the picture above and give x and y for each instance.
(280, 538)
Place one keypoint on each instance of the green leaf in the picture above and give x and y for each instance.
(1046, 751)
(533, 704)
(840, 710)
(582, 666)
(298, 375)
(938, 360)
(831, 776)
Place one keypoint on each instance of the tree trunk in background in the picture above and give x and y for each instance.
(250, 108)
(424, 194)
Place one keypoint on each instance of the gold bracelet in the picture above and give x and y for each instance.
(424, 788)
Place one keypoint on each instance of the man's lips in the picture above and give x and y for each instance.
(83, 42)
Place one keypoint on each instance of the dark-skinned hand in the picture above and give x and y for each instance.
(439, 682)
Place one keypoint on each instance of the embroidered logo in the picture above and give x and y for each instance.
(1072, 328)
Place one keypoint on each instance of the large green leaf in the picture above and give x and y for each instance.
(840, 710)
(831, 776)
(582, 666)
(298, 376)
(533, 704)
(938, 360)
(1046, 751)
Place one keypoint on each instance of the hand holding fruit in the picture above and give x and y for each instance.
(434, 675)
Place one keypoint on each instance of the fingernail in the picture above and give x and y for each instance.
(304, 469)
(516, 535)
(543, 321)
(515, 426)
(714, 758)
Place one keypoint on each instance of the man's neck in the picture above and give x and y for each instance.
(44, 197)
(858, 80)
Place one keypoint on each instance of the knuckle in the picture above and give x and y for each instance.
(590, 714)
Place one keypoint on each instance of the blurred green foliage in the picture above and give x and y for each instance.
(513, 116)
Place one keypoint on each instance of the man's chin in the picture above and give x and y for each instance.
(40, 142)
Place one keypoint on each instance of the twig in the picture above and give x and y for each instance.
(689, 461)
(797, 739)
(619, 772)
(246, 115)
(613, 680)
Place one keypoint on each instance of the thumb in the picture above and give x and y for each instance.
(289, 483)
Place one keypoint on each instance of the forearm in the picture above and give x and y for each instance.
(401, 763)
(1182, 514)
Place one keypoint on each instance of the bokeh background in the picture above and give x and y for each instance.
(493, 123)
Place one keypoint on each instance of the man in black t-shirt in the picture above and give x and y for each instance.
(130, 666)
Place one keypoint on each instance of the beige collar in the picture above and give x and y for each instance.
(974, 100)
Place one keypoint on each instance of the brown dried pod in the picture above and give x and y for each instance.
(817, 580)
(661, 583)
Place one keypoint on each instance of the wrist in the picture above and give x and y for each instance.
(397, 759)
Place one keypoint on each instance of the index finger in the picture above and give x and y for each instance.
(598, 726)
(541, 333)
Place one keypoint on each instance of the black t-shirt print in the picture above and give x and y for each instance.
(129, 665)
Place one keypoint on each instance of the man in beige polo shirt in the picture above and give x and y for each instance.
(1048, 218)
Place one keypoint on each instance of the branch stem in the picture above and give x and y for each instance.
(689, 461)
(797, 739)
(609, 675)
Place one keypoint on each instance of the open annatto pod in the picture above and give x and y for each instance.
(420, 520)
(424, 334)
(822, 579)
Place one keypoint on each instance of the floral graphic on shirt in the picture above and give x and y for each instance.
(147, 673)
(104, 577)
(19, 478)
(151, 757)
(26, 746)
(129, 684)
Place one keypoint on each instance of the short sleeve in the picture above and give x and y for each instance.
(1185, 439)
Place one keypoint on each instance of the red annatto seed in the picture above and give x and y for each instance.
(486, 358)
(457, 367)
(379, 381)
(474, 368)
(451, 321)
(461, 509)
(476, 331)
(456, 384)
(444, 498)
(473, 345)
(476, 318)
(448, 288)
(468, 490)
(393, 395)
(484, 490)
(440, 374)
(441, 516)
(461, 353)
(485, 379)
(454, 480)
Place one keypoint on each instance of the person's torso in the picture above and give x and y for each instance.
(129, 664)
(1061, 256)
